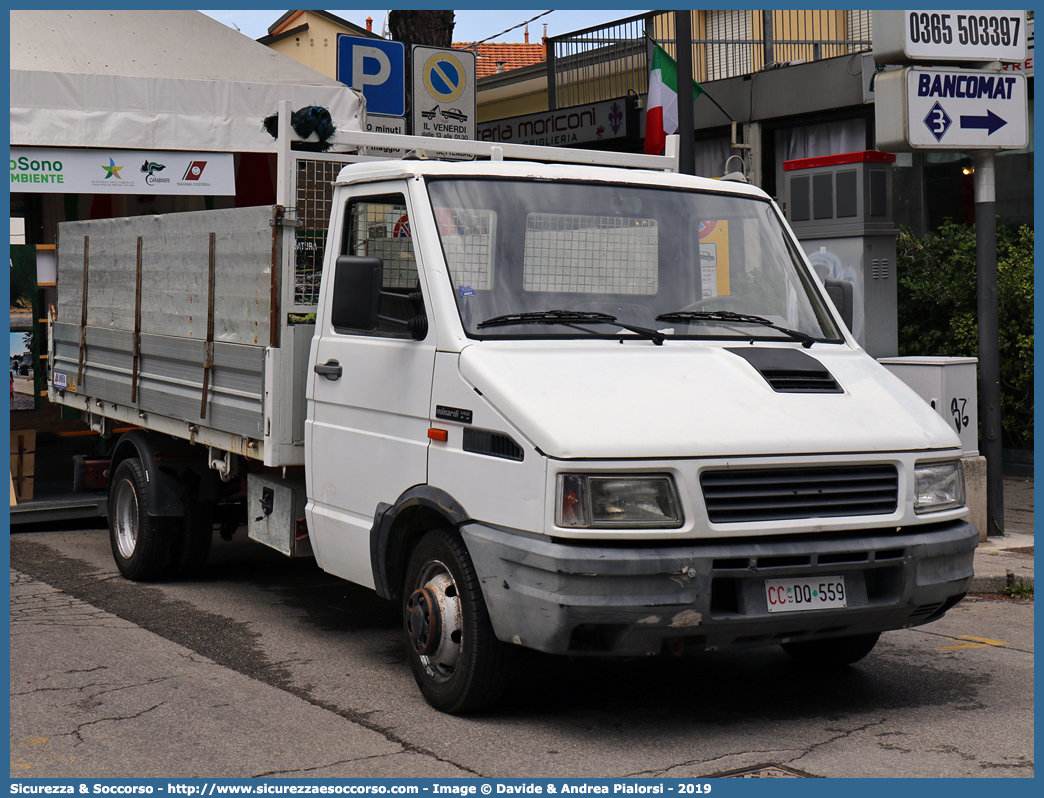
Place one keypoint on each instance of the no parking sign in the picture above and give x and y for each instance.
(443, 93)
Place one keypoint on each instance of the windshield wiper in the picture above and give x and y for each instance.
(570, 318)
(727, 315)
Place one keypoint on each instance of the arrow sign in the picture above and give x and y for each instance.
(990, 122)
(933, 108)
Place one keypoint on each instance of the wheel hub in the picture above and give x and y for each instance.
(126, 520)
(424, 621)
(434, 621)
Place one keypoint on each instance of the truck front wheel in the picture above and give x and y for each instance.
(832, 652)
(141, 544)
(458, 663)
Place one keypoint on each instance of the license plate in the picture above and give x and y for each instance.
(808, 593)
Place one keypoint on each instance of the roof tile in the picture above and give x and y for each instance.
(514, 56)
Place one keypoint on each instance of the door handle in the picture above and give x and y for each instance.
(331, 369)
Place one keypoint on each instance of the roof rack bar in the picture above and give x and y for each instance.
(496, 150)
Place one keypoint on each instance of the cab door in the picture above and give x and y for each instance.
(366, 432)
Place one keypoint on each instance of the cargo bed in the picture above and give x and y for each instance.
(175, 323)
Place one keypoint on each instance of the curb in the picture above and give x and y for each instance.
(995, 583)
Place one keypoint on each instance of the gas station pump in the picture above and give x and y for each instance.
(840, 207)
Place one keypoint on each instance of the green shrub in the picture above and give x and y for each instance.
(1020, 590)
(938, 310)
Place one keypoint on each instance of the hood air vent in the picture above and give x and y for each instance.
(788, 370)
(493, 444)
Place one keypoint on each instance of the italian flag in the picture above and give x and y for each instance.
(661, 115)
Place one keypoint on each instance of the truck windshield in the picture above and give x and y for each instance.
(535, 258)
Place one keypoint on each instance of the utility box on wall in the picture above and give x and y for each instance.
(949, 385)
(840, 208)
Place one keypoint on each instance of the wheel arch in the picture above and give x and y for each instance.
(176, 471)
(397, 528)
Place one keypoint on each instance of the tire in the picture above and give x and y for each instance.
(834, 652)
(458, 663)
(141, 544)
(192, 539)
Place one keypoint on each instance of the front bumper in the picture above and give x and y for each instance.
(567, 598)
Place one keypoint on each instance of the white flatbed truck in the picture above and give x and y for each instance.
(602, 410)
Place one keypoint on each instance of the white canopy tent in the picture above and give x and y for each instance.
(159, 94)
(155, 80)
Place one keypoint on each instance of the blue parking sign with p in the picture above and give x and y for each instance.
(377, 68)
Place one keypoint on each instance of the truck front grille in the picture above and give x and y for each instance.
(777, 494)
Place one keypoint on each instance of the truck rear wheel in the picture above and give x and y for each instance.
(458, 663)
(833, 652)
(141, 544)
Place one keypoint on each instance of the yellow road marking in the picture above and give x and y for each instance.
(981, 642)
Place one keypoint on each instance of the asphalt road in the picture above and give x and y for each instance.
(268, 667)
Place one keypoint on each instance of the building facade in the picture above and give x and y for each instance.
(800, 84)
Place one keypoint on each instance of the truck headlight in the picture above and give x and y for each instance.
(938, 486)
(590, 501)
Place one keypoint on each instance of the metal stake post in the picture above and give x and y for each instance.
(989, 338)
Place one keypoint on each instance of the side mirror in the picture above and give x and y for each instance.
(841, 293)
(356, 292)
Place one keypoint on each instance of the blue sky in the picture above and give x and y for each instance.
(17, 345)
(470, 24)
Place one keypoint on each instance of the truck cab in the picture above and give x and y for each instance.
(609, 412)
